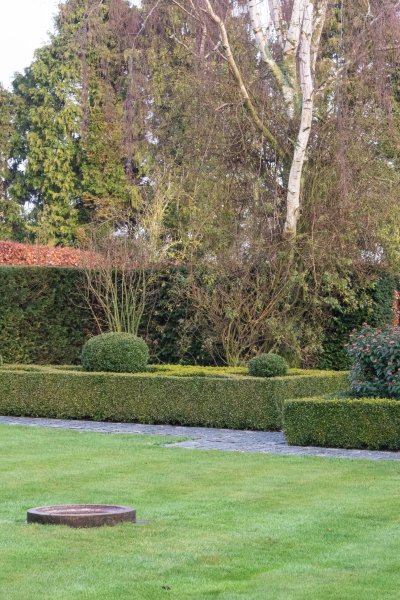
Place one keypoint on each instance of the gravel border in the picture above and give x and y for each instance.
(204, 438)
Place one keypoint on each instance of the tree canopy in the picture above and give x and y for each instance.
(217, 128)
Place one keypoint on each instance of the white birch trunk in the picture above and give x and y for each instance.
(298, 40)
(275, 11)
(300, 150)
(262, 42)
(319, 22)
(292, 41)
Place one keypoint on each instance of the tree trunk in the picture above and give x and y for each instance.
(300, 150)
(298, 39)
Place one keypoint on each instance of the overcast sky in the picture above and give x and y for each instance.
(23, 28)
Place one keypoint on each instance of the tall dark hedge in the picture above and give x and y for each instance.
(163, 325)
(43, 317)
(375, 307)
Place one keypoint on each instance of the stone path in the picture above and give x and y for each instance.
(203, 438)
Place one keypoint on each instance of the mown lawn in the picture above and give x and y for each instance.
(219, 525)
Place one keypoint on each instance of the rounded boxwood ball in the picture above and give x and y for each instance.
(268, 365)
(115, 352)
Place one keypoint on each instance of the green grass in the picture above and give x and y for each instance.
(220, 525)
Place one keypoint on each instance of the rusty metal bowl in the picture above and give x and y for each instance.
(82, 515)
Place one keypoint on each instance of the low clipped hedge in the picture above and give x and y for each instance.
(343, 423)
(228, 400)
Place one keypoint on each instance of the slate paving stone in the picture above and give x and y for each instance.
(204, 438)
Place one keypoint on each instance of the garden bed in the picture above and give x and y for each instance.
(197, 396)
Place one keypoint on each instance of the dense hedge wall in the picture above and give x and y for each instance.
(372, 303)
(343, 423)
(164, 324)
(43, 317)
(237, 402)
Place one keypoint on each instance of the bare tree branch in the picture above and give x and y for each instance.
(238, 76)
(266, 56)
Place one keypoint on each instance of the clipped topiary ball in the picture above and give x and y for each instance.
(115, 352)
(268, 365)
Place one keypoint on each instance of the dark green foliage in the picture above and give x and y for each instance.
(10, 212)
(343, 423)
(231, 401)
(43, 316)
(44, 319)
(268, 365)
(360, 303)
(75, 126)
(116, 353)
(1, 360)
(46, 143)
(383, 300)
(169, 324)
(376, 362)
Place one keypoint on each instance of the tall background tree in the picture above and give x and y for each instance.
(239, 137)
(10, 213)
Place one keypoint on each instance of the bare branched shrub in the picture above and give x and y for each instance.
(120, 278)
(248, 307)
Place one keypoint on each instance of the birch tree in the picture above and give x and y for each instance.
(288, 46)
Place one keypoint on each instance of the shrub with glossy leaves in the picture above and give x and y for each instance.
(376, 362)
(115, 352)
(268, 365)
